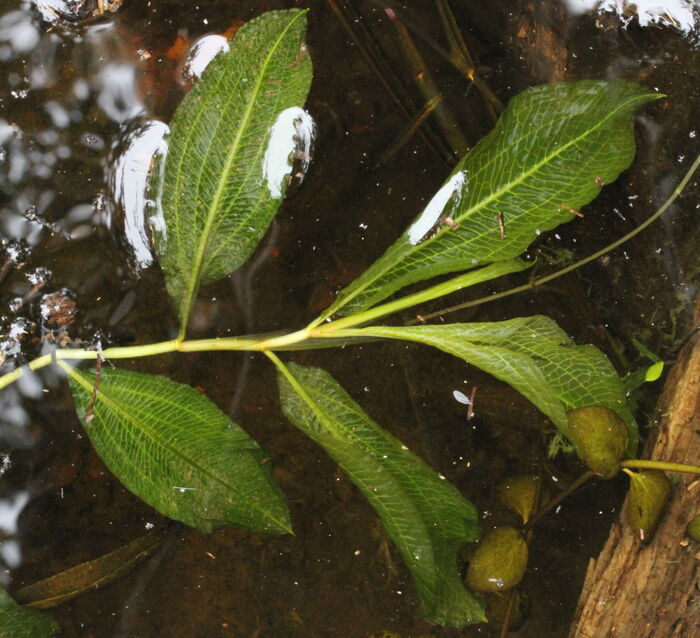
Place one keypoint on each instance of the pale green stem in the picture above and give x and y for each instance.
(470, 278)
(346, 333)
(236, 343)
(666, 466)
(162, 347)
(11, 377)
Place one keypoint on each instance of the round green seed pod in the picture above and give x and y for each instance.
(649, 492)
(693, 528)
(499, 562)
(519, 493)
(600, 437)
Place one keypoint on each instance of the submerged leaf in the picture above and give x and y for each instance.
(600, 437)
(499, 562)
(649, 493)
(425, 516)
(19, 622)
(521, 493)
(533, 355)
(499, 608)
(89, 576)
(547, 156)
(693, 529)
(228, 160)
(176, 450)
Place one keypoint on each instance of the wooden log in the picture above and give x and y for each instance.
(652, 590)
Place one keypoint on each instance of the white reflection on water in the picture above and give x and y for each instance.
(202, 52)
(117, 97)
(432, 212)
(681, 14)
(18, 34)
(10, 510)
(291, 138)
(52, 11)
(129, 183)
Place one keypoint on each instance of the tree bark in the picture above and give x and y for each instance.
(652, 590)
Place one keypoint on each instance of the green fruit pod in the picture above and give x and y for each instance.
(499, 562)
(520, 493)
(600, 437)
(649, 492)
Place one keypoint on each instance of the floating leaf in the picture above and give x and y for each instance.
(546, 157)
(225, 171)
(89, 576)
(499, 562)
(425, 516)
(520, 493)
(19, 622)
(534, 356)
(600, 437)
(177, 451)
(649, 493)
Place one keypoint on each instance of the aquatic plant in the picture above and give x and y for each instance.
(235, 141)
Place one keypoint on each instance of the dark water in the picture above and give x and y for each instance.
(74, 97)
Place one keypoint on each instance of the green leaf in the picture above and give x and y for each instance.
(18, 622)
(649, 494)
(172, 447)
(217, 189)
(533, 355)
(654, 372)
(89, 576)
(425, 516)
(499, 562)
(549, 152)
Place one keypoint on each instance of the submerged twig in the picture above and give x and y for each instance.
(383, 72)
(413, 126)
(556, 500)
(429, 89)
(458, 55)
(461, 58)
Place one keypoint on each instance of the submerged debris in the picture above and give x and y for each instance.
(58, 308)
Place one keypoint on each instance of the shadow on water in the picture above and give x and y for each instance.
(83, 102)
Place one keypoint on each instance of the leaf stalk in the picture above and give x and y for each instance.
(666, 466)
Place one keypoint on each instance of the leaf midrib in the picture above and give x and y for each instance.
(195, 276)
(410, 249)
(117, 408)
